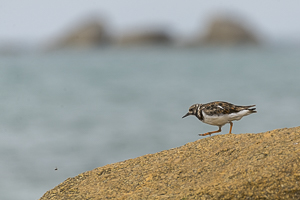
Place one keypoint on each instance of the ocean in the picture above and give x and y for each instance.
(67, 112)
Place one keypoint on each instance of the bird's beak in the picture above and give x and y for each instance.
(187, 114)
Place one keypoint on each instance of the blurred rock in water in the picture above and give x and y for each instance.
(226, 30)
(87, 34)
(93, 33)
(152, 36)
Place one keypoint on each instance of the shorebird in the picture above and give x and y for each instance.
(219, 113)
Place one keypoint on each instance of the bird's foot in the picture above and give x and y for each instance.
(209, 133)
(204, 134)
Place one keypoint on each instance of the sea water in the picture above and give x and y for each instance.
(67, 112)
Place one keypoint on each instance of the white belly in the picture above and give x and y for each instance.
(220, 120)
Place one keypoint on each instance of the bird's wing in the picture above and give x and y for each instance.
(219, 108)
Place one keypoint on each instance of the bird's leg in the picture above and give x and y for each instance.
(231, 124)
(209, 133)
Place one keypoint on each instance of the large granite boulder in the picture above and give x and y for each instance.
(231, 166)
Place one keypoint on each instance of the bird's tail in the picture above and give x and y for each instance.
(252, 110)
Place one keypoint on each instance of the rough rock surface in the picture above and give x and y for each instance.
(236, 166)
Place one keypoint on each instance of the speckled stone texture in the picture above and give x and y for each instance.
(231, 166)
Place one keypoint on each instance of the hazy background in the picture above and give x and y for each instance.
(68, 103)
(34, 21)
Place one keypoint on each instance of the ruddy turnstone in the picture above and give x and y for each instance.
(219, 113)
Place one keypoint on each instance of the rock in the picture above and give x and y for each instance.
(87, 34)
(228, 31)
(145, 37)
(231, 166)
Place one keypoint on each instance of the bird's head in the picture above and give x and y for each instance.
(192, 110)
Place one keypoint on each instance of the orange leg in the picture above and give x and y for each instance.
(209, 133)
(231, 124)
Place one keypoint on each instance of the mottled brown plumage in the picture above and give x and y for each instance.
(219, 113)
(214, 108)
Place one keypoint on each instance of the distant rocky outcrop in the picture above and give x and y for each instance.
(93, 33)
(231, 166)
(145, 37)
(87, 34)
(228, 31)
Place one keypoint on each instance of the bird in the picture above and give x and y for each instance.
(219, 113)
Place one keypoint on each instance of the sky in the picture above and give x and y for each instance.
(39, 20)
